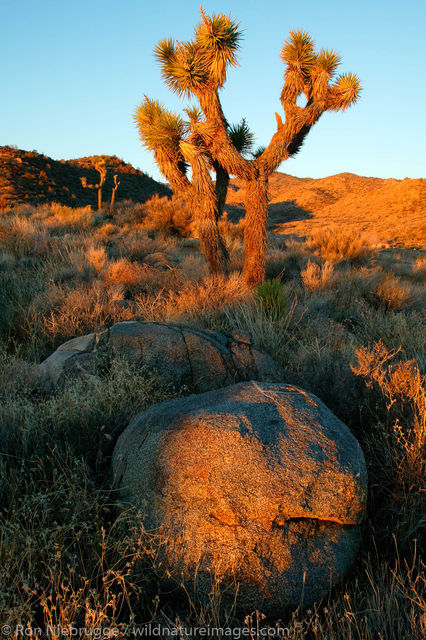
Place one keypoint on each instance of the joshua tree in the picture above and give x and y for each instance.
(177, 145)
(100, 165)
(114, 189)
(198, 69)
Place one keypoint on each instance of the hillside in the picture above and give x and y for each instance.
(33, 178)
(391, 211)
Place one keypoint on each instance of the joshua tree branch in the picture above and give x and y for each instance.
(218, 142)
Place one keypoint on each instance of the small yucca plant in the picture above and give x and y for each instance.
(272, 298)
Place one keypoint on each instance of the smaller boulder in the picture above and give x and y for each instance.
(182, 356)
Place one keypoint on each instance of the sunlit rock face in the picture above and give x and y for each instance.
(198, 359)
(257, 484)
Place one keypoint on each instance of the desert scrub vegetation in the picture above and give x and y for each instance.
(335, 327)
(334, 244)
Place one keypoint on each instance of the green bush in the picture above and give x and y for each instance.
(272, 299)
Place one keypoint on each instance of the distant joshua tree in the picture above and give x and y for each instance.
(208, 143)
(100, 164)
(114, 190)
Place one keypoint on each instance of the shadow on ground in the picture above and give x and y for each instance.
(278, 213)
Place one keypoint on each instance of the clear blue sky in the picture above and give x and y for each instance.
(73, 71)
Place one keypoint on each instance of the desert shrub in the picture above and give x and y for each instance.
(97, 257)
(316, 277)
(231, 230)
(419, 268)
(22, 237)
(402, 387)
(395, 329)
(317, 358)
(204, 301)
(125, 272)
(64, 558)
(286, 262)
(136, 244)
(169, 215)
(397, 446)
(83, 310)
(336, 245)
(107, 230)
(275, 264)
(395, 293)
(193, 267)
(70, 218)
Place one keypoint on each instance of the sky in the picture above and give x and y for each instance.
(73, 72)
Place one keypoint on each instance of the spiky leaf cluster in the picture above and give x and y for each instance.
(298, 52)
(241, 136)
(192, 67)
(344, 92)
(310, 72)
(183, 66)
(218, 38)
(159, 128)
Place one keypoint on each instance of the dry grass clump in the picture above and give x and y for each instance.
(419, 268)
(231, 231)
(384, 602)
(97, 257)
(57, 215)
(397, 447)
(23, 237)
(403, 388)
(286, 261)
(316, 277)
(203, 302)
(337, 245)
(397, 294)
(81, 311)
(125, 272)
(64, 558)
(136, 243)
(169, 215)
(107, 230)
(193, 268)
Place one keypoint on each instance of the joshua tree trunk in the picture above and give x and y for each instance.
(211, 243)
(221, 187)
(205, 204)
(114, 190)
(99, 198)
(255, 229)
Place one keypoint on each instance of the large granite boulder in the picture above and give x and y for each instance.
(182, 356)
(257, 484)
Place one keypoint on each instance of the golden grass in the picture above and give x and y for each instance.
(334, 245)
(316, 277)
(125, 272)
(169, 215)
(97, 257)
(395, 293)
(346, 324)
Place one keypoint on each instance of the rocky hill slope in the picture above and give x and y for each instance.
(33, 178)
(392, 210)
